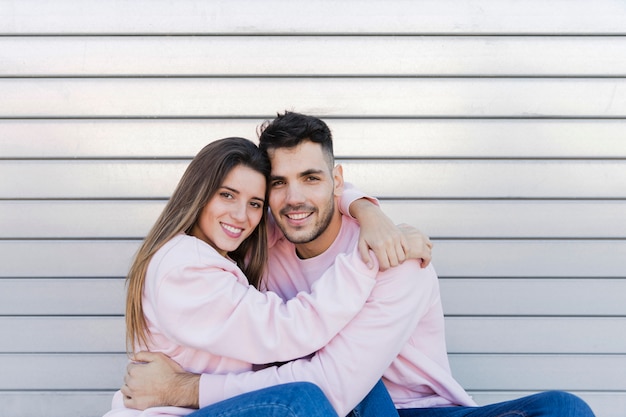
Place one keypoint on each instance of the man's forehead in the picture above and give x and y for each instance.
(305, 157)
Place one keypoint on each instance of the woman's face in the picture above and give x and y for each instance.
(235, 210)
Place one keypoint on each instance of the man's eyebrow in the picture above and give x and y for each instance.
(311, 171)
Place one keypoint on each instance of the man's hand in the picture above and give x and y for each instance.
(153, 380)
(419, 245)
(391, 244)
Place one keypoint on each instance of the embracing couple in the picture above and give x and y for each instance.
(319, 306)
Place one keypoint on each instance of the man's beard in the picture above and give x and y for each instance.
(320, 226)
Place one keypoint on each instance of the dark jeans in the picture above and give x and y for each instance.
(298, 399)
(545, 404)
(377, 403)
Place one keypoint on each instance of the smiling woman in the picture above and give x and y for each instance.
(234, 211)
(192, 287)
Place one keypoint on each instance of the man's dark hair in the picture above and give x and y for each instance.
(290, 129)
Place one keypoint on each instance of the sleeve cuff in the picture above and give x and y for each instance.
(349, 196)
(211, 389)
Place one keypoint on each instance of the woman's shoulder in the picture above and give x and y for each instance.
(185, 250)
(184, 257)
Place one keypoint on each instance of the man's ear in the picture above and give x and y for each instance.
(338, 179)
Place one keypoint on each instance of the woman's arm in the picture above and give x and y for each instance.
(205, 307)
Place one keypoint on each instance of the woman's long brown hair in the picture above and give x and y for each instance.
(203, 177)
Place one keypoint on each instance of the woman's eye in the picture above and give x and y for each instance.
(226, 195)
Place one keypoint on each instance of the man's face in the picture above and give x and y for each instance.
(302, 191)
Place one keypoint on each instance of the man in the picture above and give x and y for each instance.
(399, 333)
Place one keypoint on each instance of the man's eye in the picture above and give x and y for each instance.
(277, 183)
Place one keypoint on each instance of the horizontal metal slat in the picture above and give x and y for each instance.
(345, 97)
(333, 56)
(353, 138)
(365, 16)
(540, 372)
(441, 179)
(440, 219)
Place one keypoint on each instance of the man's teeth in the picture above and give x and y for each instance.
(298, 216)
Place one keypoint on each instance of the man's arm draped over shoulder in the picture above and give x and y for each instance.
(391, 244)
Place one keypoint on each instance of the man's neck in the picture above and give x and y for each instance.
(322, 242)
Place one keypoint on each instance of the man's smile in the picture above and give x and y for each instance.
(298, 216)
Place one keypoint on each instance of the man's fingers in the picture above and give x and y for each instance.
(129, 402)
(428, 255)
(127, 396)
(394, 252)
(401, 250)
(365, 254)
(384, 261)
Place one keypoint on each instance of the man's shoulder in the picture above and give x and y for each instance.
(412, 277)
(350, 230)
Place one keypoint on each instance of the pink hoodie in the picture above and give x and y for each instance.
(399, 334)
(202, 312)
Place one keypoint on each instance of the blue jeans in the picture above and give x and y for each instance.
(377, 403)
(298, 399)
(545, 404)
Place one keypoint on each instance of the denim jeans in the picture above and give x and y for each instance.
(298, 399)
(545, 404)
(377, 403)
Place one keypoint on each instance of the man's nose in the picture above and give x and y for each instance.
(295, 194)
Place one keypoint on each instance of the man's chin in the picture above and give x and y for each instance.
(298, 237)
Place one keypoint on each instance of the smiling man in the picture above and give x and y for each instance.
(303, 211)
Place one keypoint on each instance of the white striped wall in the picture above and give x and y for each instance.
(497, 127)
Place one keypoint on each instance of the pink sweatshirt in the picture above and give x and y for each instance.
(202, 312)
(399, 334)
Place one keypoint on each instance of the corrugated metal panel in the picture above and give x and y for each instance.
(495, 127)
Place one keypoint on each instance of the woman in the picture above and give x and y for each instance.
(191, 288)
